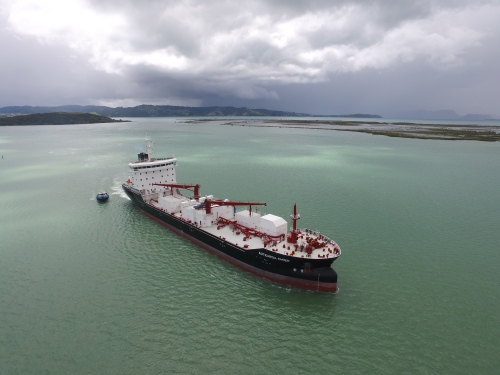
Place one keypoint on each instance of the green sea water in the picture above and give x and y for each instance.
(88, 288)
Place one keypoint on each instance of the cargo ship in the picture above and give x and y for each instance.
(232, 230)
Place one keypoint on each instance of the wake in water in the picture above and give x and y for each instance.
(117, 189)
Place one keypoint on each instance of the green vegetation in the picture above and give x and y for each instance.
(445, 134)
(55, 118)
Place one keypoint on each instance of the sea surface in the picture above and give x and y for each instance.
(88, 288)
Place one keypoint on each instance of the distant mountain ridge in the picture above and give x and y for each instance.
(146, 110)
(443, 114)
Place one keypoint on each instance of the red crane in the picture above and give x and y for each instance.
(209, 203)
(184, 186)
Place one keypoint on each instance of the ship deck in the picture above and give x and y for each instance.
(330, 249)
(230, 235)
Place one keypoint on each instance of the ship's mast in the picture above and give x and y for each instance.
(149, 147)
(294, 233)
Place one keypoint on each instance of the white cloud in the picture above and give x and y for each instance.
(222, 47)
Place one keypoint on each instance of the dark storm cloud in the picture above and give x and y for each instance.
(368, 55)
(45, 75)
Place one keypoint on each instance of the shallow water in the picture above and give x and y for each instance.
(100, 288)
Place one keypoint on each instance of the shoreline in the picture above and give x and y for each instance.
(397, 129)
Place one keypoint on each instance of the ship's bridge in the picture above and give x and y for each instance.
(147, 170)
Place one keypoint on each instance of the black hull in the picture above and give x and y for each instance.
(306, 273)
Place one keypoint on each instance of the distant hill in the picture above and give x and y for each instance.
(55, 118)
(443, 114)
(145, 110)
(356, 115)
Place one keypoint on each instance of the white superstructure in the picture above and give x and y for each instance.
(148, 170)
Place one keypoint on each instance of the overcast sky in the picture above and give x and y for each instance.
(315, 56)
